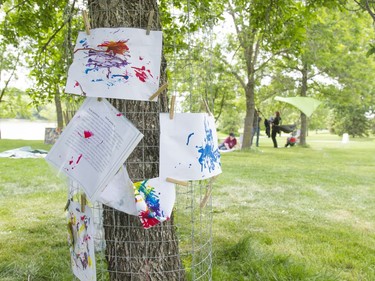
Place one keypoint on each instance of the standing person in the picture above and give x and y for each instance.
(229, 143)
(275, 128)
(256, 128)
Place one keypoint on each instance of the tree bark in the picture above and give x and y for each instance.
(132, 252)
(59, 112)
(250, 108)
(250, 58)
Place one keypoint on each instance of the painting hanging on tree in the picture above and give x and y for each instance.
(154, 200)
(94, 145)
(121, 63)
(81, 242)
(188, 147)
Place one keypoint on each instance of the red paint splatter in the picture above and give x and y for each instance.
(79, 158)
(87, 134)
(76, 84)
(147, 221)
(142, 73)
(118, 47)
(119, 114)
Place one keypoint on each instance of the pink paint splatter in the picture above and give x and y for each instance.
(119, 114)
(142, 73)
(79, 85)
(73, 164)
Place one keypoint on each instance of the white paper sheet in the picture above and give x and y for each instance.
(151, 200)
(119, 193)
(188, 147)
(81, 242)
(94, 145)
(154, 201)
(119, 63)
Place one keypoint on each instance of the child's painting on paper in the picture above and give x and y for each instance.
(119, 63)
(154, 200)
(94, 145)
(188, 147)
(81, 244)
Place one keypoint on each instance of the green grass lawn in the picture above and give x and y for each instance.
(279, 214)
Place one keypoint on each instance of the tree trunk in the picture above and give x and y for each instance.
(250, 108)
(59, 112)
(250, 54)
(132, 252)
(302, 140)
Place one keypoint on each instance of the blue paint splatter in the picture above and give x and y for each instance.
(151, 199)
(126, 77)
(97, 80)
(188, 138)
(209, 156)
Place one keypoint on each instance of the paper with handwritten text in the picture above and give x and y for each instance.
(94, 145)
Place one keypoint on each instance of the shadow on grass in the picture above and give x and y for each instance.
(245, 261)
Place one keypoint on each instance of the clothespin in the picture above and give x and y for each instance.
(171, 110)
(83, 202)
(158, 92)
(86, 21)
(184, 183)
(207, 108)
(208, 192)
(206, 197)
(150, 18)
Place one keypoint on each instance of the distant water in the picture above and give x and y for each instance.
(24, 129)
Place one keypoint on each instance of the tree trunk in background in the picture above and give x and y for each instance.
(59, 112)
(302, 140)
(132, 252)
(250, 108)
(250, 53)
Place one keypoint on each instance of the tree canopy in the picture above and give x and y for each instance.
(268, 51)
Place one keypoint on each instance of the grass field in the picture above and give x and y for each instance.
(279, 214)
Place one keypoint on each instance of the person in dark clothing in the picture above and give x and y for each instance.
(268, 127)
(275, 128)
(229, 143)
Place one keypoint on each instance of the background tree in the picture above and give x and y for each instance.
(42, 32)
(345, 61)
(351, 119)
(330, 63)
(263, 30)
(9, 62)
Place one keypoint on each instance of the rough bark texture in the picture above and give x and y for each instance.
(133, 253)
